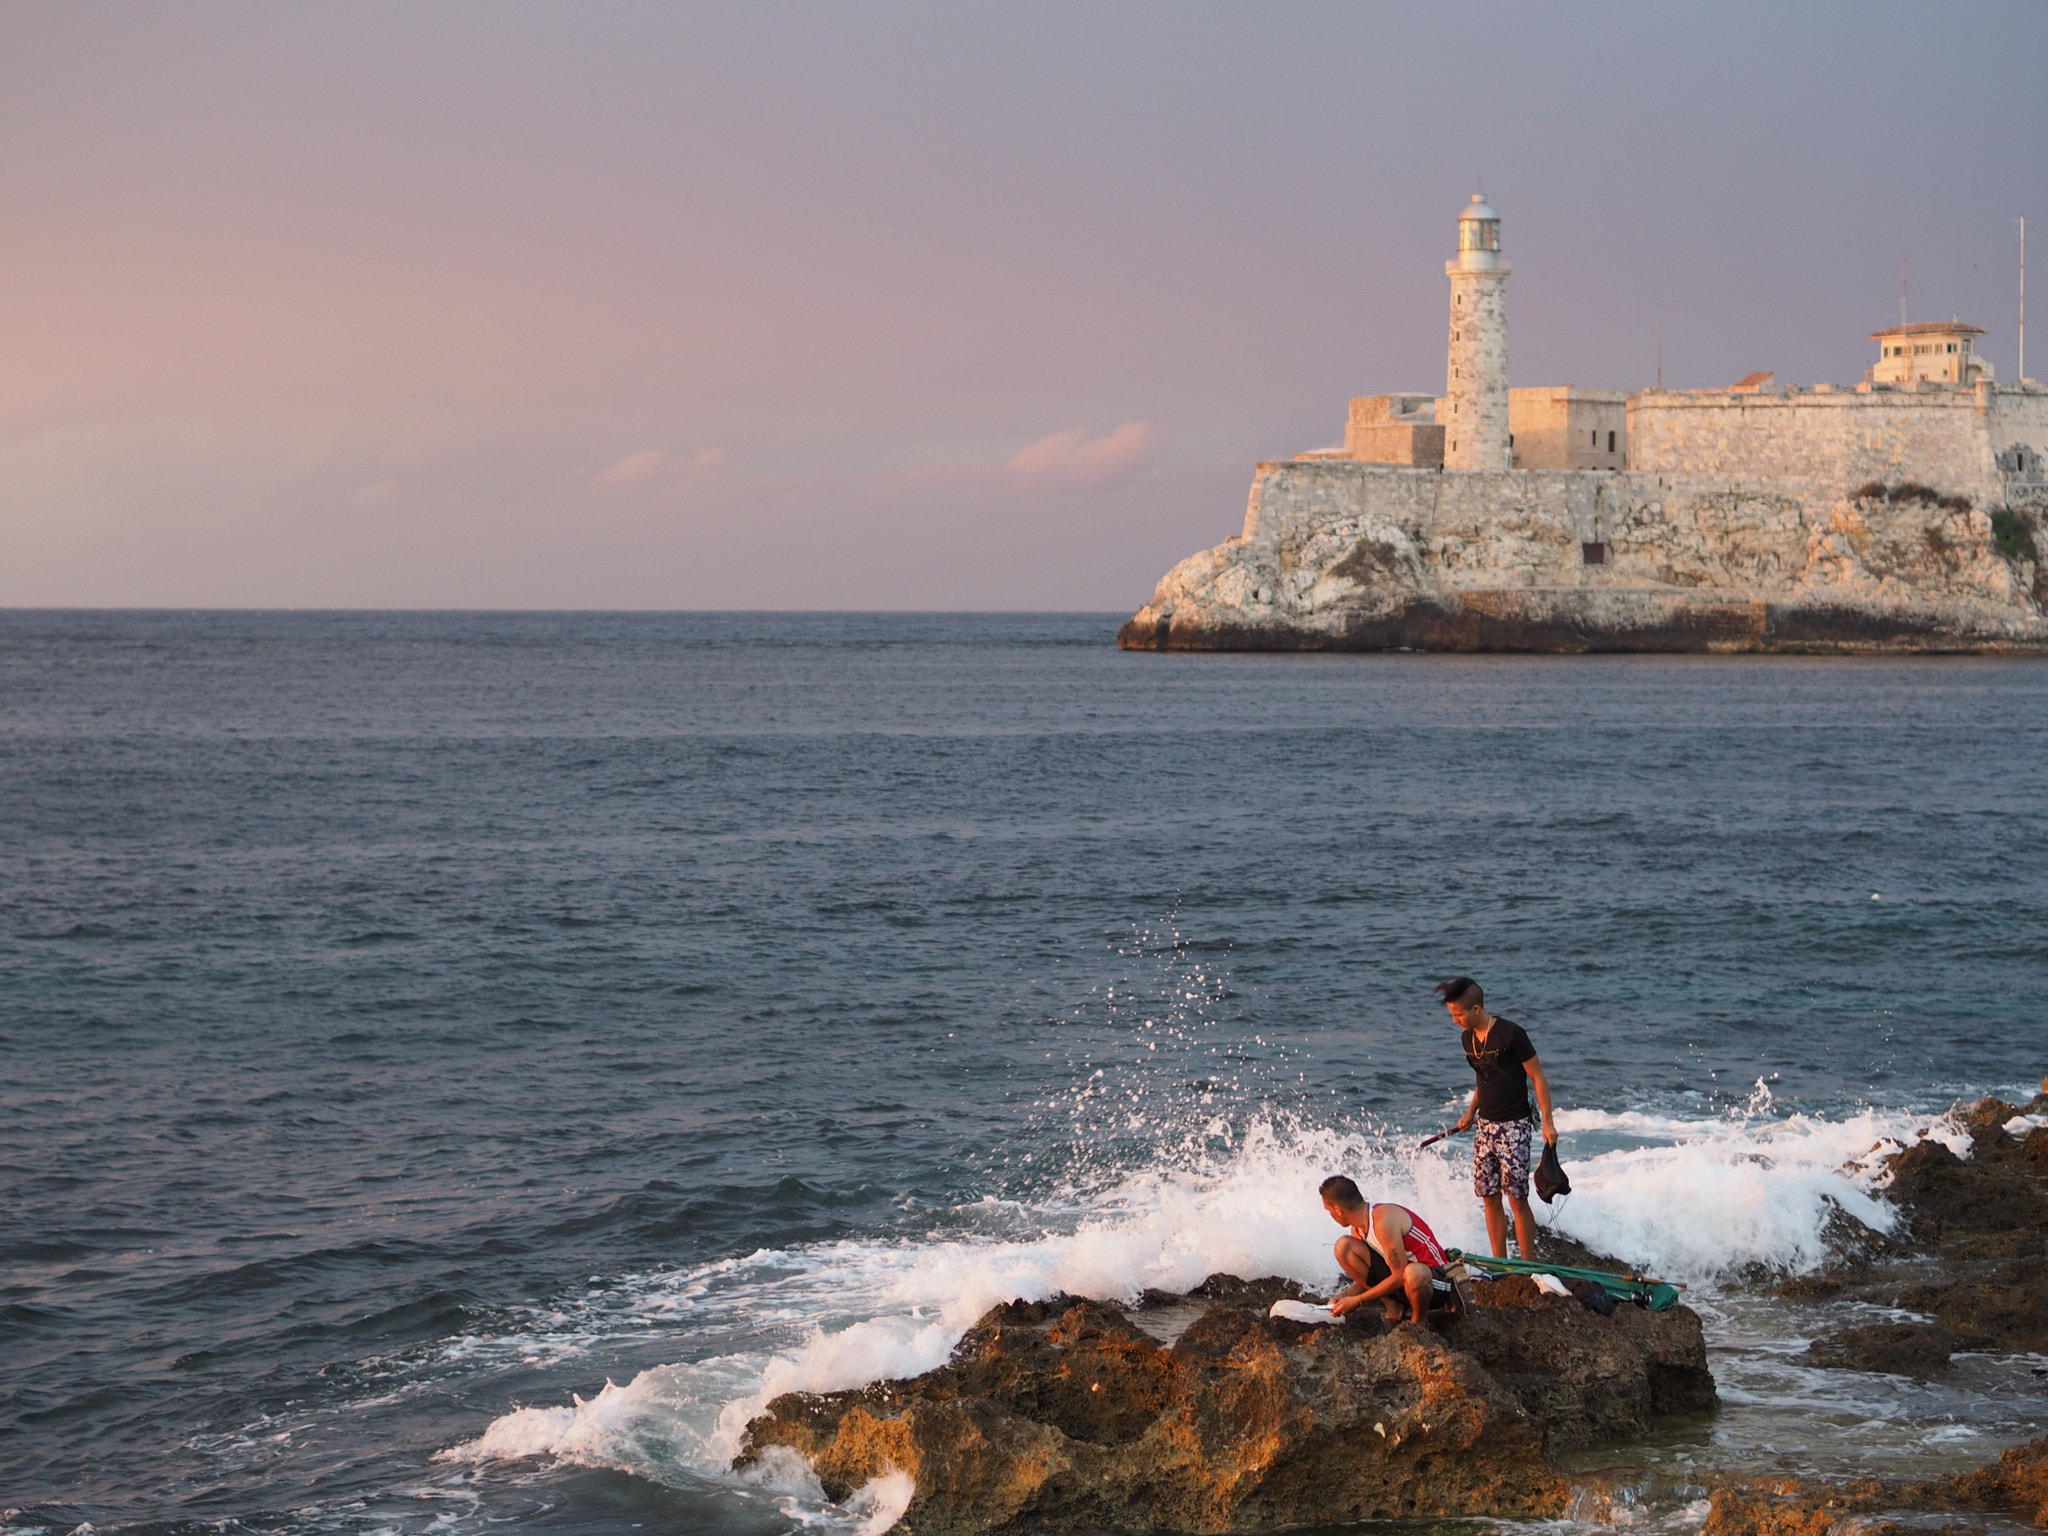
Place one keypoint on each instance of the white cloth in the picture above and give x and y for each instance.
(1302, 1312)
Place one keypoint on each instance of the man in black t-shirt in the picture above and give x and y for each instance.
(1504, 1066)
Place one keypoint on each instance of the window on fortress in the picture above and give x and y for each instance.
(1610, 442)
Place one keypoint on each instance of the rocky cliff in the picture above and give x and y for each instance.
(1073, 1415)
(1339, 555)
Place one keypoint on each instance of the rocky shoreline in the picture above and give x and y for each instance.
(1973, 1263)
(1199, 1412)
(1069, 1414)
(1973, 1259)
(1340, 556)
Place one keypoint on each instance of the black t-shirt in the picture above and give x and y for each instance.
(1503, 1082)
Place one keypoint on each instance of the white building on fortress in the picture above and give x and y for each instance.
(1928, 411)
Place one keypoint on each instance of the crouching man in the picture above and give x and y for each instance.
(1390, 1255)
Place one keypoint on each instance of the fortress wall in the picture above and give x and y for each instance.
(1339, 554)
(1470, 529)
(1568, 428)
(2019, 415)
(1453, 531)
(1937, 437)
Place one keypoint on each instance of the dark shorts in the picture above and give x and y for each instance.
(1443, 1296)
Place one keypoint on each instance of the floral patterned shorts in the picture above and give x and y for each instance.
(1500, 1158)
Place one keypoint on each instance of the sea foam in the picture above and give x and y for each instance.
(1702, 1199)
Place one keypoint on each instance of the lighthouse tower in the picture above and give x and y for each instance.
(1475, 410)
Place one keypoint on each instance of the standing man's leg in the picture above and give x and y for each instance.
(1486, 1184)
(1513, 1154)
(1525, 1226)
(1496, 1226)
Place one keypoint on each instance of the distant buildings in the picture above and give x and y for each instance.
(1929, 410)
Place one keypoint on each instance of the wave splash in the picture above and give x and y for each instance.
(1703, 1199)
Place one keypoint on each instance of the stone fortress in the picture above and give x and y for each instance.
(1898, 514)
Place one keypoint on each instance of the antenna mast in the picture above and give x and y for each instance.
(2023, 296)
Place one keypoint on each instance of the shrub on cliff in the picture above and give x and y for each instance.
(2014, 532)
(1909, 490)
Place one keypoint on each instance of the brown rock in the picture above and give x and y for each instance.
(2016, 1483)
(1260, 1294)
(1063, 1415)
(1789, 1508)
(1987, 1111)
(2002, 1306)
(1898, 1349)
(2032, 1152)
(1592, 1379)
(1949, 1198)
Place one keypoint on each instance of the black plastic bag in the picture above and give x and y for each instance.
(1549, 1177)
(1592, 1295)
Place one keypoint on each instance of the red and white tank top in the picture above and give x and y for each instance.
(1421, 1243)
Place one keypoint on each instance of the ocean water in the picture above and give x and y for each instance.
(459, 1065)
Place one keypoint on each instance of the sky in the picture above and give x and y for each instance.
(647, 305)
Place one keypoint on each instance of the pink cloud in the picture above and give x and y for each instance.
(636, 469)
(652, 467)
(1074, 460)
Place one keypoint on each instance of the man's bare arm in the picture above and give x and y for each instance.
(1542, 1084)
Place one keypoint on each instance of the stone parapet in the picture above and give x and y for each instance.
(1942, 436)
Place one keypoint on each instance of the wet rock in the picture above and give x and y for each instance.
(1895, 1349)
(1247, 1293)
(1821, 1287)
(1790, 1508)
(1065, 1415)
(1987, 1111)
(1948, 1197)
(2015, 1484)
(2000, 1306)
(1972, 1256)
(2017, 1481)
(1592, 1379)
(2032, 1152)
(1553, 1247)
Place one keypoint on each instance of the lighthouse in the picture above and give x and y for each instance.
(1475, 410)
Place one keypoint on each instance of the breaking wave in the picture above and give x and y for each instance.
(1704, 1199)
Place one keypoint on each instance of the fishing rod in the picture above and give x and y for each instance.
(1449, 1130)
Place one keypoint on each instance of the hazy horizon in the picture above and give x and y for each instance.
(514, 307)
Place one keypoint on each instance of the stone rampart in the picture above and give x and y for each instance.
(1342, 555)
(1938, 435)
